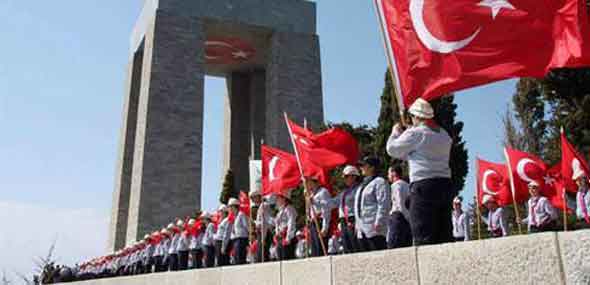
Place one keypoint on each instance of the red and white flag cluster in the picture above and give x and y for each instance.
(315, 155)
(509, 183)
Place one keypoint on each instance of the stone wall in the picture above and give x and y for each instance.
(547, 258)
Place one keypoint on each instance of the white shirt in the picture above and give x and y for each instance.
(183, 241)
(196, 241)
(460, 225)
(240, 227)
(344, 201)
(582, 204)
(400, 191)
(286, 222)
(264, 217)
(496, 221)
(173, 247)
(372, 207)
(426, 150)
(300, 249)
(321, 206)
(540, 212)
(208, 235)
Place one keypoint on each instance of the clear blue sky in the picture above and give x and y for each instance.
(62, 70)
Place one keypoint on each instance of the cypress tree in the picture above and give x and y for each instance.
(227, 189)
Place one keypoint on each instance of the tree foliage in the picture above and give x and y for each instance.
(227, 189)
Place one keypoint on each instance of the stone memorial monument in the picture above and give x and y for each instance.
(269, 53)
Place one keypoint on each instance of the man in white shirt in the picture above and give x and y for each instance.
(264, 225)
(320, 202)
(427, 148)
(496, 221)
(541, 214)
(460, 221)
(344, 201)
(222, 238)
(582, 199)
(372, 207)
(399, 232)
(239, 232)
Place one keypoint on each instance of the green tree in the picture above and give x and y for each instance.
(227, 189)
(529, 108)
(388, 116)
(512, 136)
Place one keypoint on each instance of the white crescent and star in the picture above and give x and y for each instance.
(576, 166)
(441, 46)
(484, 182)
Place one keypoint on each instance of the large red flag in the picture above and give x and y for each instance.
(571, 160)
(525, 168)
(279, 170)
(441, 46)
(555, 191)
(312, 154)
(493, 180)
(339, 141)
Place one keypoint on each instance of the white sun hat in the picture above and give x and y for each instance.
(421, 109)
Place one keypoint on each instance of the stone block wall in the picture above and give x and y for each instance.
(547, 258)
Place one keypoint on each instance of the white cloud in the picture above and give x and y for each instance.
(27, 231)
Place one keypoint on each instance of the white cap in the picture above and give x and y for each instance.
(146, 236)
(255, 192)
(534, 183)
(191, 222)
(170, 226)
(233, 202)
(457, 200)
(222, 208)
(578, 173)
(350, 170)
(164, 231)
(487, 198)
(298, 233)
(205, 215)
(421, 109)
(180, 223)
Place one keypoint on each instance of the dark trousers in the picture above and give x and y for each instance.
(173, 262)
(400, 233)
(459, 239)
(287, 252)
(264, 250)
(349, 241)
(430, 211)
(149, 265)
(316, 245)
(209, 256)
(197, 258)
(222, 256)
(240, 246)
(547, 227)
(159, 264)
(374, 243)
(183, 260)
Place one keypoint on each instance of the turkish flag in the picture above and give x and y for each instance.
(244, 203)
(441, 46)
(339, 141)
(280, 171)
(493, 180)
(313, 154)
(525, 169)
(571, 160)
(555, 192)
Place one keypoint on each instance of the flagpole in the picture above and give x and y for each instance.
(477, 199)
(563, 194)
(513, 191)
(396, 97)
(261, 208)
(306, 205)
(315, 220)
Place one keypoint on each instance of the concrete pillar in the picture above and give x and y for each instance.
(167, 160)
(257, 111)
(294, 85)
(237, 128)
(120, 207)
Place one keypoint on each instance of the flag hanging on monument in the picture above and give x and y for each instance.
(439, 46)
(571, 161)
(493, 180)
